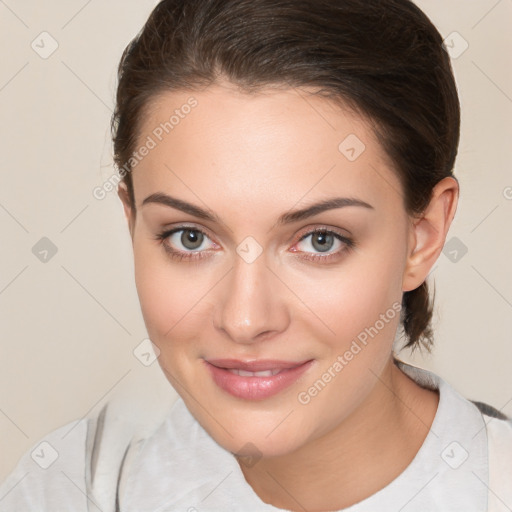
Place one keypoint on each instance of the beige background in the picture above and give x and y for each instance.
(69, 325)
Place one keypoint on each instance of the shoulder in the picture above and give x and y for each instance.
(490, 411)
(499, 428)
(54, 462)
(83, 462)
(499, 436)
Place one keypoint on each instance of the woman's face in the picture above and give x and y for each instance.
(252, 282)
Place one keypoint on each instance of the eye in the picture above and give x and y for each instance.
(190, 243)
(327, 242)
(185, 242)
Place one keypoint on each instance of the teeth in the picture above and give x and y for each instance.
(245, 373)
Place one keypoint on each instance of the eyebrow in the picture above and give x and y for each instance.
(286, 218)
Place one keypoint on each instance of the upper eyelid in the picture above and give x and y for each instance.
(171, 230)
(306, 231)
(310, 231)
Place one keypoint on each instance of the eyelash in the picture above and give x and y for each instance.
(349, 244)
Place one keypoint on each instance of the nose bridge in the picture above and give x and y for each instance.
(251, 303)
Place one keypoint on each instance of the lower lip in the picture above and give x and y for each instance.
(256, 388)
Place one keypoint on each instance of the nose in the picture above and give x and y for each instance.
(252, 306)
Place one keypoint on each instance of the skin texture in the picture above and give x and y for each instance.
(249, 159)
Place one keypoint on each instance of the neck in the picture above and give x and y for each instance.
(358, 458)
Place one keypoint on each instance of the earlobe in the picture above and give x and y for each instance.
(122, 192)
(428, 233)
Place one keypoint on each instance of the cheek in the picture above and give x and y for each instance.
(362, 308)
(351, 297)
(157, 300)
(174, 302)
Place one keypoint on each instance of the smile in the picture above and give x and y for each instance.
(255, 380)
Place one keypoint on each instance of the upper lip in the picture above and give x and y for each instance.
(255, 365)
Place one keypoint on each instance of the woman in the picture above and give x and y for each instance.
(287, 180)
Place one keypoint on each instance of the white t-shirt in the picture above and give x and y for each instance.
(99, 464)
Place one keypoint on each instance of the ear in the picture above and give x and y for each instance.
(428, 232)
(129, 213)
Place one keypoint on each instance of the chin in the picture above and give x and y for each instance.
(251, 430)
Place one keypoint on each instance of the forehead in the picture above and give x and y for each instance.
(276, 145)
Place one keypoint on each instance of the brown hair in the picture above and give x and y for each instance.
(383, 58)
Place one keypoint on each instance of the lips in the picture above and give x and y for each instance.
(255, 380)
